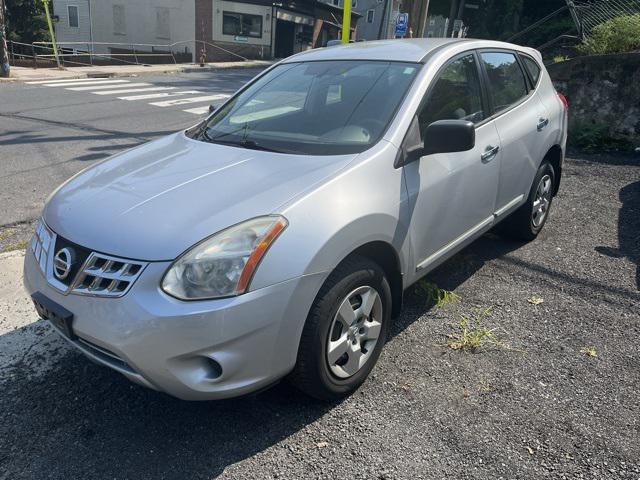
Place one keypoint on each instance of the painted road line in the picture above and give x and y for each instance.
(125, 89)
(67, 80)
(183, 101)
(198, 110)
(79, 84)
(159, 95)
(105, 87)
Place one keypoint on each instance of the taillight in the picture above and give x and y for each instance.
(564, 101)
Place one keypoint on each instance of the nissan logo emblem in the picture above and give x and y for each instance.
(62, 263)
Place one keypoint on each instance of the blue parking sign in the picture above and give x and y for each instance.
(402, 24)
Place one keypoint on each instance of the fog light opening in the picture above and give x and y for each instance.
(212, 368)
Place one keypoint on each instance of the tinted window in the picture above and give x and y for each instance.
(532, 67)
(455, 95)
(319, 108)
(506, 80)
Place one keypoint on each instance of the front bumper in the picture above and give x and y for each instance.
(196, 350)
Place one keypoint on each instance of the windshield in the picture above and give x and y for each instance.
(316, 108)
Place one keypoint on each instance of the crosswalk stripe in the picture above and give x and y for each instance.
(78, 84)
(159, 95)
(105, 87)
(67, 80)
(198, 110)
(132, 90)
(182, 101)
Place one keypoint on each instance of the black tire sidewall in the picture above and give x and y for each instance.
(544, 169)
(361, 273)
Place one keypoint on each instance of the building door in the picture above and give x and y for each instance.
(285, 36)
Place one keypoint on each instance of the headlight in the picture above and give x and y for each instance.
(223, 264)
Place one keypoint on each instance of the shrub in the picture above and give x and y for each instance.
(595, 137)
(617, 35)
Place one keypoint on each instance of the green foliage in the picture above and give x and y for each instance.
(617, 35)
(560, 58)
(472, 334)
(26, 21)
(434, 295)
(595, 137)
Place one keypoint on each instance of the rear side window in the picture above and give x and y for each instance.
(455, 95)
(533, 68)
(507, 84)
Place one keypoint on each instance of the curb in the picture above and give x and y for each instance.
(177, 69)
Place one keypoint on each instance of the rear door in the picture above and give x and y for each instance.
(519, 117)
(452, 195)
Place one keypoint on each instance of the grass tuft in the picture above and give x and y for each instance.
(472, 334)
(15, 246)
(434, 295)
(589, 351)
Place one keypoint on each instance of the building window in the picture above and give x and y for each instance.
(119, 20)
(354, 3)
(336, 2)
(162, 23)
(370, 15)
(72, 10)
(241, 24)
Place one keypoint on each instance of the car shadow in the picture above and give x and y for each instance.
(86, 420)
(628, 228)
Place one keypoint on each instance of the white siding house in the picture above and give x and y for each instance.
(128, 24)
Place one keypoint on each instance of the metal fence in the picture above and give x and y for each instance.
(589, 13)
(40, 54)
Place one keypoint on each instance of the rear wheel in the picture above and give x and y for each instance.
(345, 331)
(527, 222)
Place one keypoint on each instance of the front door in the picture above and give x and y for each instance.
(452, 195)
(285, 37)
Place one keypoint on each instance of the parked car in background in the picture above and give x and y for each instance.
(276, 237)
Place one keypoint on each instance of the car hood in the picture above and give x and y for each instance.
(155, 201)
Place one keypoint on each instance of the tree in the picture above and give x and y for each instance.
(26, 21)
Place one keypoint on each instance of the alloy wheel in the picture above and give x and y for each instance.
(354, 332)
(542, 201)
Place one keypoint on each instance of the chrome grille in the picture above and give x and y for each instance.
(96, 274)
(106, 276)
(41, 244)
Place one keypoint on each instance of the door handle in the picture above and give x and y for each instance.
(542, 122)
(489, 153)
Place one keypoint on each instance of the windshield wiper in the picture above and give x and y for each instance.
(249, 144)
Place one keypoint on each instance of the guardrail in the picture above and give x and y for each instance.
(40, 54)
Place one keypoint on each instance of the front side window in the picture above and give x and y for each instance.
(532, 67)
(316, 108)
(506, 80)
(242, 24)
(456, 95)
(74, 22)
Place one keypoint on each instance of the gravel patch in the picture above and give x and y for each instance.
(533, 406)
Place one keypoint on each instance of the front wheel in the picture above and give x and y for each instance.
(527, 222)
(345, 331)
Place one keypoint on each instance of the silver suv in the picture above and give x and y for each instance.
(276, 237)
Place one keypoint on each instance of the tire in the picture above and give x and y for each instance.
(357, 279)
(526, 223)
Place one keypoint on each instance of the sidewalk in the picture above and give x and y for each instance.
(25, 74)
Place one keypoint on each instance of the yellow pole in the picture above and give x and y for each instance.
(53, 37)
(346, 21)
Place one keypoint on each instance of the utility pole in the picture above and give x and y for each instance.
(346, 21)
(4, 57)
(53, 36)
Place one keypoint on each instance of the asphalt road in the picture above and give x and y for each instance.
(48, 133)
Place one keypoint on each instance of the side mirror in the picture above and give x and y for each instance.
(212, 108)
(447, 136)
